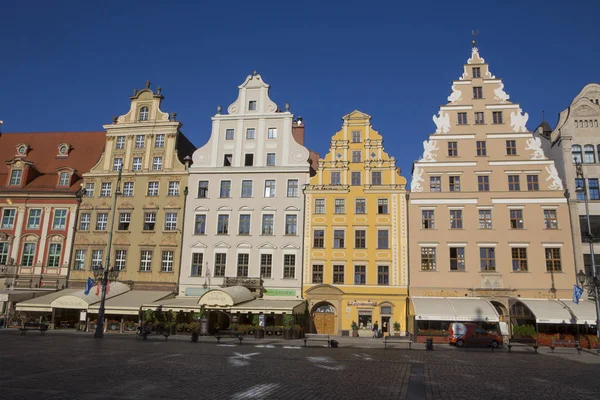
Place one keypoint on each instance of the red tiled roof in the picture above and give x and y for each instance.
(86, 149)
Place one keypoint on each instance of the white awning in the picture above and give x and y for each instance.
(271, 306)
(78, 300)
(225, 297)
(42, 303)
(131, 302)
(174, 305)
(548, 311)
(585, 311)
(454, 309)
(19, 295)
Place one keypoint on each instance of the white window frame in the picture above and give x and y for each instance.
(294, 189)
(270, 188)
(85, 221)
(159, 141)
(89, 189)
(63, 179)
(157, 163)
(8, 218)
(145, 260)
(59, 222)
(120, 259)
(250, 133)
(120, 142)
(170, 221)
(117, 163)
(137, 164)
(167, 261)
(105, 189)
(272, 133)
(15, 177)
(54, 255)
(97, 257)
(140, 141)
(101, 221)
(173, 188)
(271, 159)
(128, 189)
(79, 263)
(153, 188)
(37, 218)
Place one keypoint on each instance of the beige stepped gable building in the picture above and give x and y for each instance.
(151, 151)
(490, 235)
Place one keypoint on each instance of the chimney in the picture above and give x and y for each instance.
(298, 131)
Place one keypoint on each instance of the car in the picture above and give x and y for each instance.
(460, 334)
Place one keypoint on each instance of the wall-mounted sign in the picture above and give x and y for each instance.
(280, 292)
(441, 294)
(362, 303)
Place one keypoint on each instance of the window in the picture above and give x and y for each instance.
(428, 219)
(159, 141)
(266, 263)
(513, 183)
(64, 179)
(550, 220)
(8, 218)
(120, 142)
(249, 160)
(289, 266)
(497, 117)
(223, 224)
(272, 133)
(28, 255)
(336, 178)
(139, 141)
(338, 274)
(454, 182)
(318, 238)
(54, 250)
(203, 189)
(146, 260)
(79, 260)
(338, 239)
(511, 147)
(84, 221)
(383, 239)
(319, 206)
(479, 118)
(457, 258)
(244, 224)
(481, 148)
(128, 189)
(225, 191)
(105, 189)
(170, 221)
(435, 183)
(120, 259)
(290, 224)
(589, 156)
(576, 151)
(487, 257)
(250, 134)
(516, 219)
(477, 92)
(270, 188)
(456, 221)
(229, 134)
(483, 183)
(97, 256)
(580, 183)
(553, 260)
(242, 264)
(356, 137)
(197, 261)
(376, 178)
(173, 188)
(427, 258)
(200, 224)
(383, 275)
(292, 188)
(532, 183)
(317, 274)
(476, 72)
(167, 261)
(593, 189)
(153, 188)
(356, 178)
(360, 274)
(124, 221)
(220, 264)
(246, 189)
(356, 156)
(519, 259)
(137, 163)
(144, 114)
(227, 160)
(89, 190)
(270, 159)
(157, 163)
(462, 118)
(485, 219)
(382, 206)
(35, 218)
(101, 221)
(360, 206)
(252, 105)
(452, 149)
(149, 221)
(360, 239)
(117, 165)
(339, 206)
(267, 224)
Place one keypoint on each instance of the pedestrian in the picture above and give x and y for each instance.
(376, 330)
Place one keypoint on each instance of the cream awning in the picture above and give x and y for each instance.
(80, 301)
(271, 306)
(19, 295)
(454, 309)
(174, 305)
(131, 302)
(43, 303)
(548, 311)
(585, 311)
(225, 297)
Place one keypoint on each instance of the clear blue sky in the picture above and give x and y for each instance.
(71, 65)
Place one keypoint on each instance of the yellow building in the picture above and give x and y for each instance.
(355, 259)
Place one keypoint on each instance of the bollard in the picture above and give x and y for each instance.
(429, 344)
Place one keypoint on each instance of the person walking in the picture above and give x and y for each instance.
(376, 330)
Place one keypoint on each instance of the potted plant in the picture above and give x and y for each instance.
(195, 328)
(354, 329)
(524, 331)
(113, 325)
(259, 331)
(396, 328)
(288, 321)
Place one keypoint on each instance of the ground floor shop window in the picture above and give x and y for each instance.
(365, 319)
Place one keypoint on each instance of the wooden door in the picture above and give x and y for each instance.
(324, 323)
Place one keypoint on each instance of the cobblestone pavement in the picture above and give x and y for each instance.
(120, 367)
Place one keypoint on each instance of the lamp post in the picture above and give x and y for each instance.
(106, 273)
(593, 283)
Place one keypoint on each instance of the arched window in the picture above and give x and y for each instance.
(588, 154)
(144, 114)
(586, 125)
(576, 150)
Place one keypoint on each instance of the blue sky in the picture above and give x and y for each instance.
(71, 65)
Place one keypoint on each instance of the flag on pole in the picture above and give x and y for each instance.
(98, 289)
(107, 287)
(577, 292)
(88, 286)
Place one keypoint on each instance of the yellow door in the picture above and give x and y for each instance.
(324, 323)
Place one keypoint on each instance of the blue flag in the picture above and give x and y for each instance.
(577, 292)
(88, 286)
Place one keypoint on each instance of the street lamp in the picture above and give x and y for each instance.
(106, 273)
(593, 285)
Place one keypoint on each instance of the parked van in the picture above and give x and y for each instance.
(467, 333)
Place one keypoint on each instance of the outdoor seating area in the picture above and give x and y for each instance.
(316, 337)
(398, 340)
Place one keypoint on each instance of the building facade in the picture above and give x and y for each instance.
(355, 248)
(147, 146)
(489, 222)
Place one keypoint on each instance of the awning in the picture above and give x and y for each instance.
(585, 311)
(130, 302)
(42, 303)
(548, 311)
(271, 306)
(78, 300)
(176, 305)
(19, 295)
(225, 297)
(454, 309)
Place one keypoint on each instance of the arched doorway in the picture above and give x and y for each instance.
(323, 316)
(501, 310)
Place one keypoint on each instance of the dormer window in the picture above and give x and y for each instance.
(252, 105)
(64, 179)
(144, 114)
(22, 149)
(15, 177)
(63, 150)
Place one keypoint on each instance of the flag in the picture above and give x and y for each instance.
(98, 289)
(577, 292)
(88, 286)
(107, 287)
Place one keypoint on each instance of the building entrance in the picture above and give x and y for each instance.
(324, 319)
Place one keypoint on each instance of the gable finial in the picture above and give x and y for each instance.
(254, 73)
(473, 34)
(148, 84)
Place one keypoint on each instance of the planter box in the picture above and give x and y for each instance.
(436, 339)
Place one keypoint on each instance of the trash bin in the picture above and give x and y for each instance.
(429, 344)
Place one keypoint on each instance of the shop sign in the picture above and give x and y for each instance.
(68, 303)
(362, 303)
(191, 291)
(281, 292)
(440, 294)
(215, 297)
(82, 315)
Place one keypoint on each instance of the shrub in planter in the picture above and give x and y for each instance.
(259, 332)
(524, 331)
(113, 325)
(130, 326)
(396, 328)
(354, 326)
